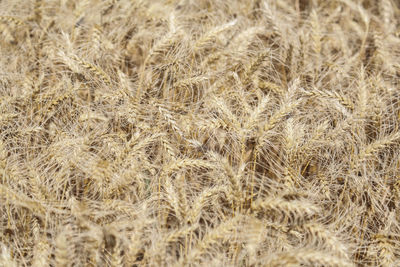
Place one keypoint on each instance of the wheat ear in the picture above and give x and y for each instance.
(295, 210)
(307, 257)
(94, 69)
(386, 254)
(332, 95)
(378, 145)
(211, 35)
(321, 236)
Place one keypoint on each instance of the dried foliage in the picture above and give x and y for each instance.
(199, 133)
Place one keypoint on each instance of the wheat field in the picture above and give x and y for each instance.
(200, 133)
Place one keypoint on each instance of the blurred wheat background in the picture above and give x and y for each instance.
(199, 133)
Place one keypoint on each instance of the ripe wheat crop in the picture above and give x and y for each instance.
(199, 133)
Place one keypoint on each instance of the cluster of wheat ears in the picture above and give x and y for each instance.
(200, 133)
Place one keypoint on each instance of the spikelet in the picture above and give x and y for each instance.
(363, 95)
(165, 43)
(305, 257)
(176, 235)
(210, 36)
(174, 201)
(243, 39)
(201, 201)
(38, 11)
(6, 34)
(323, 238)
(117, 258)
(92, 116)
(64, 249)
(289, 147)
(41, 252)
(108, 7)
(255, 64)
(234, 178)
(96, 70)
(295, 210)
(22, 200)
(386, 255)
(279, 115)
(387, 13)
(189, 163)
(378, 145)
(169, 118)
(56, 102)
(182, 194)
(316, 32)
(7, 117)
(96, 37)
(228, 117)
(193, 81)
(213, 236)
(6, 258)
(396, 191)
(3, 156)
(331, 95)
(271, 86)
(271, 19)
(11, 20)
(167, 146)
(256, 115)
